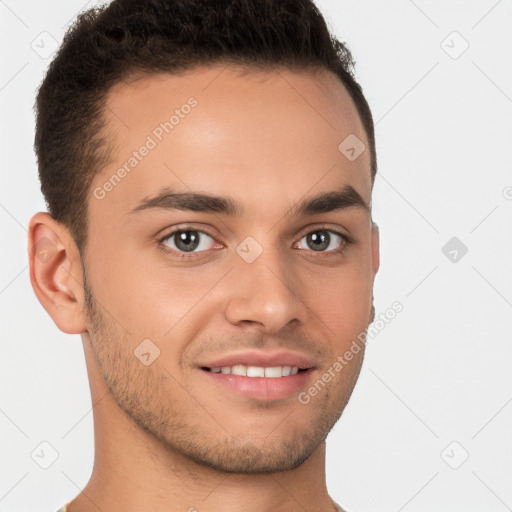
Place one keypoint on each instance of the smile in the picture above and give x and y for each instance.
(256, 371)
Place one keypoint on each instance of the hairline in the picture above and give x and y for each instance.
(136, 75)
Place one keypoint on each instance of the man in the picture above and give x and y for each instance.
(208, 169)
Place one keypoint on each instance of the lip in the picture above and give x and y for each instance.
(262, 388)
(258, 358)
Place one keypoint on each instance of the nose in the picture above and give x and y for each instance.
(264, 295)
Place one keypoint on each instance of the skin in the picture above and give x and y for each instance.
(166, 438)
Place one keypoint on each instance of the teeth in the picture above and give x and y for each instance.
(272, 371)
(239, 369)
(257, 371)
(286, 370)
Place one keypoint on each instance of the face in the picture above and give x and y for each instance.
(231, 263)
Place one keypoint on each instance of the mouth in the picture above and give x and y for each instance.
(257, 386)
(259, 374)
(266, 372)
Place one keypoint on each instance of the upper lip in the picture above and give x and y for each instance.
(258, 358)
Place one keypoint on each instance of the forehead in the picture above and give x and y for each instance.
(263, 134)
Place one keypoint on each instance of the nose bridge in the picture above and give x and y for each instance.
(262, 288)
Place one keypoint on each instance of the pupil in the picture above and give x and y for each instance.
(319, 240)
(186, 240)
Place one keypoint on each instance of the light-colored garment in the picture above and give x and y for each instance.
(338, 508)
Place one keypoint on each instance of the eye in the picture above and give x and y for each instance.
(324, 240)
(188, 241)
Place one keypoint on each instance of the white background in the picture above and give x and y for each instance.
(438, 373)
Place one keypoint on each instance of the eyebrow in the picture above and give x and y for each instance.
(324, 202)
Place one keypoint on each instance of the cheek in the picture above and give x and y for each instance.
(342, 296)
(154, 300)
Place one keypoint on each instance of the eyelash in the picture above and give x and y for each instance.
(346, 241)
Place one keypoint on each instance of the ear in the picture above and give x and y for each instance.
(56, 272)
(375, 248)
(375, 241)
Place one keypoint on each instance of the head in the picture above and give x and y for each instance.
(202, 204)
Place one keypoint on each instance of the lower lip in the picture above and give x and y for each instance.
(262, 388)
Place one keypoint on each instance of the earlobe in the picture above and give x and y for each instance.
(56, 272)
